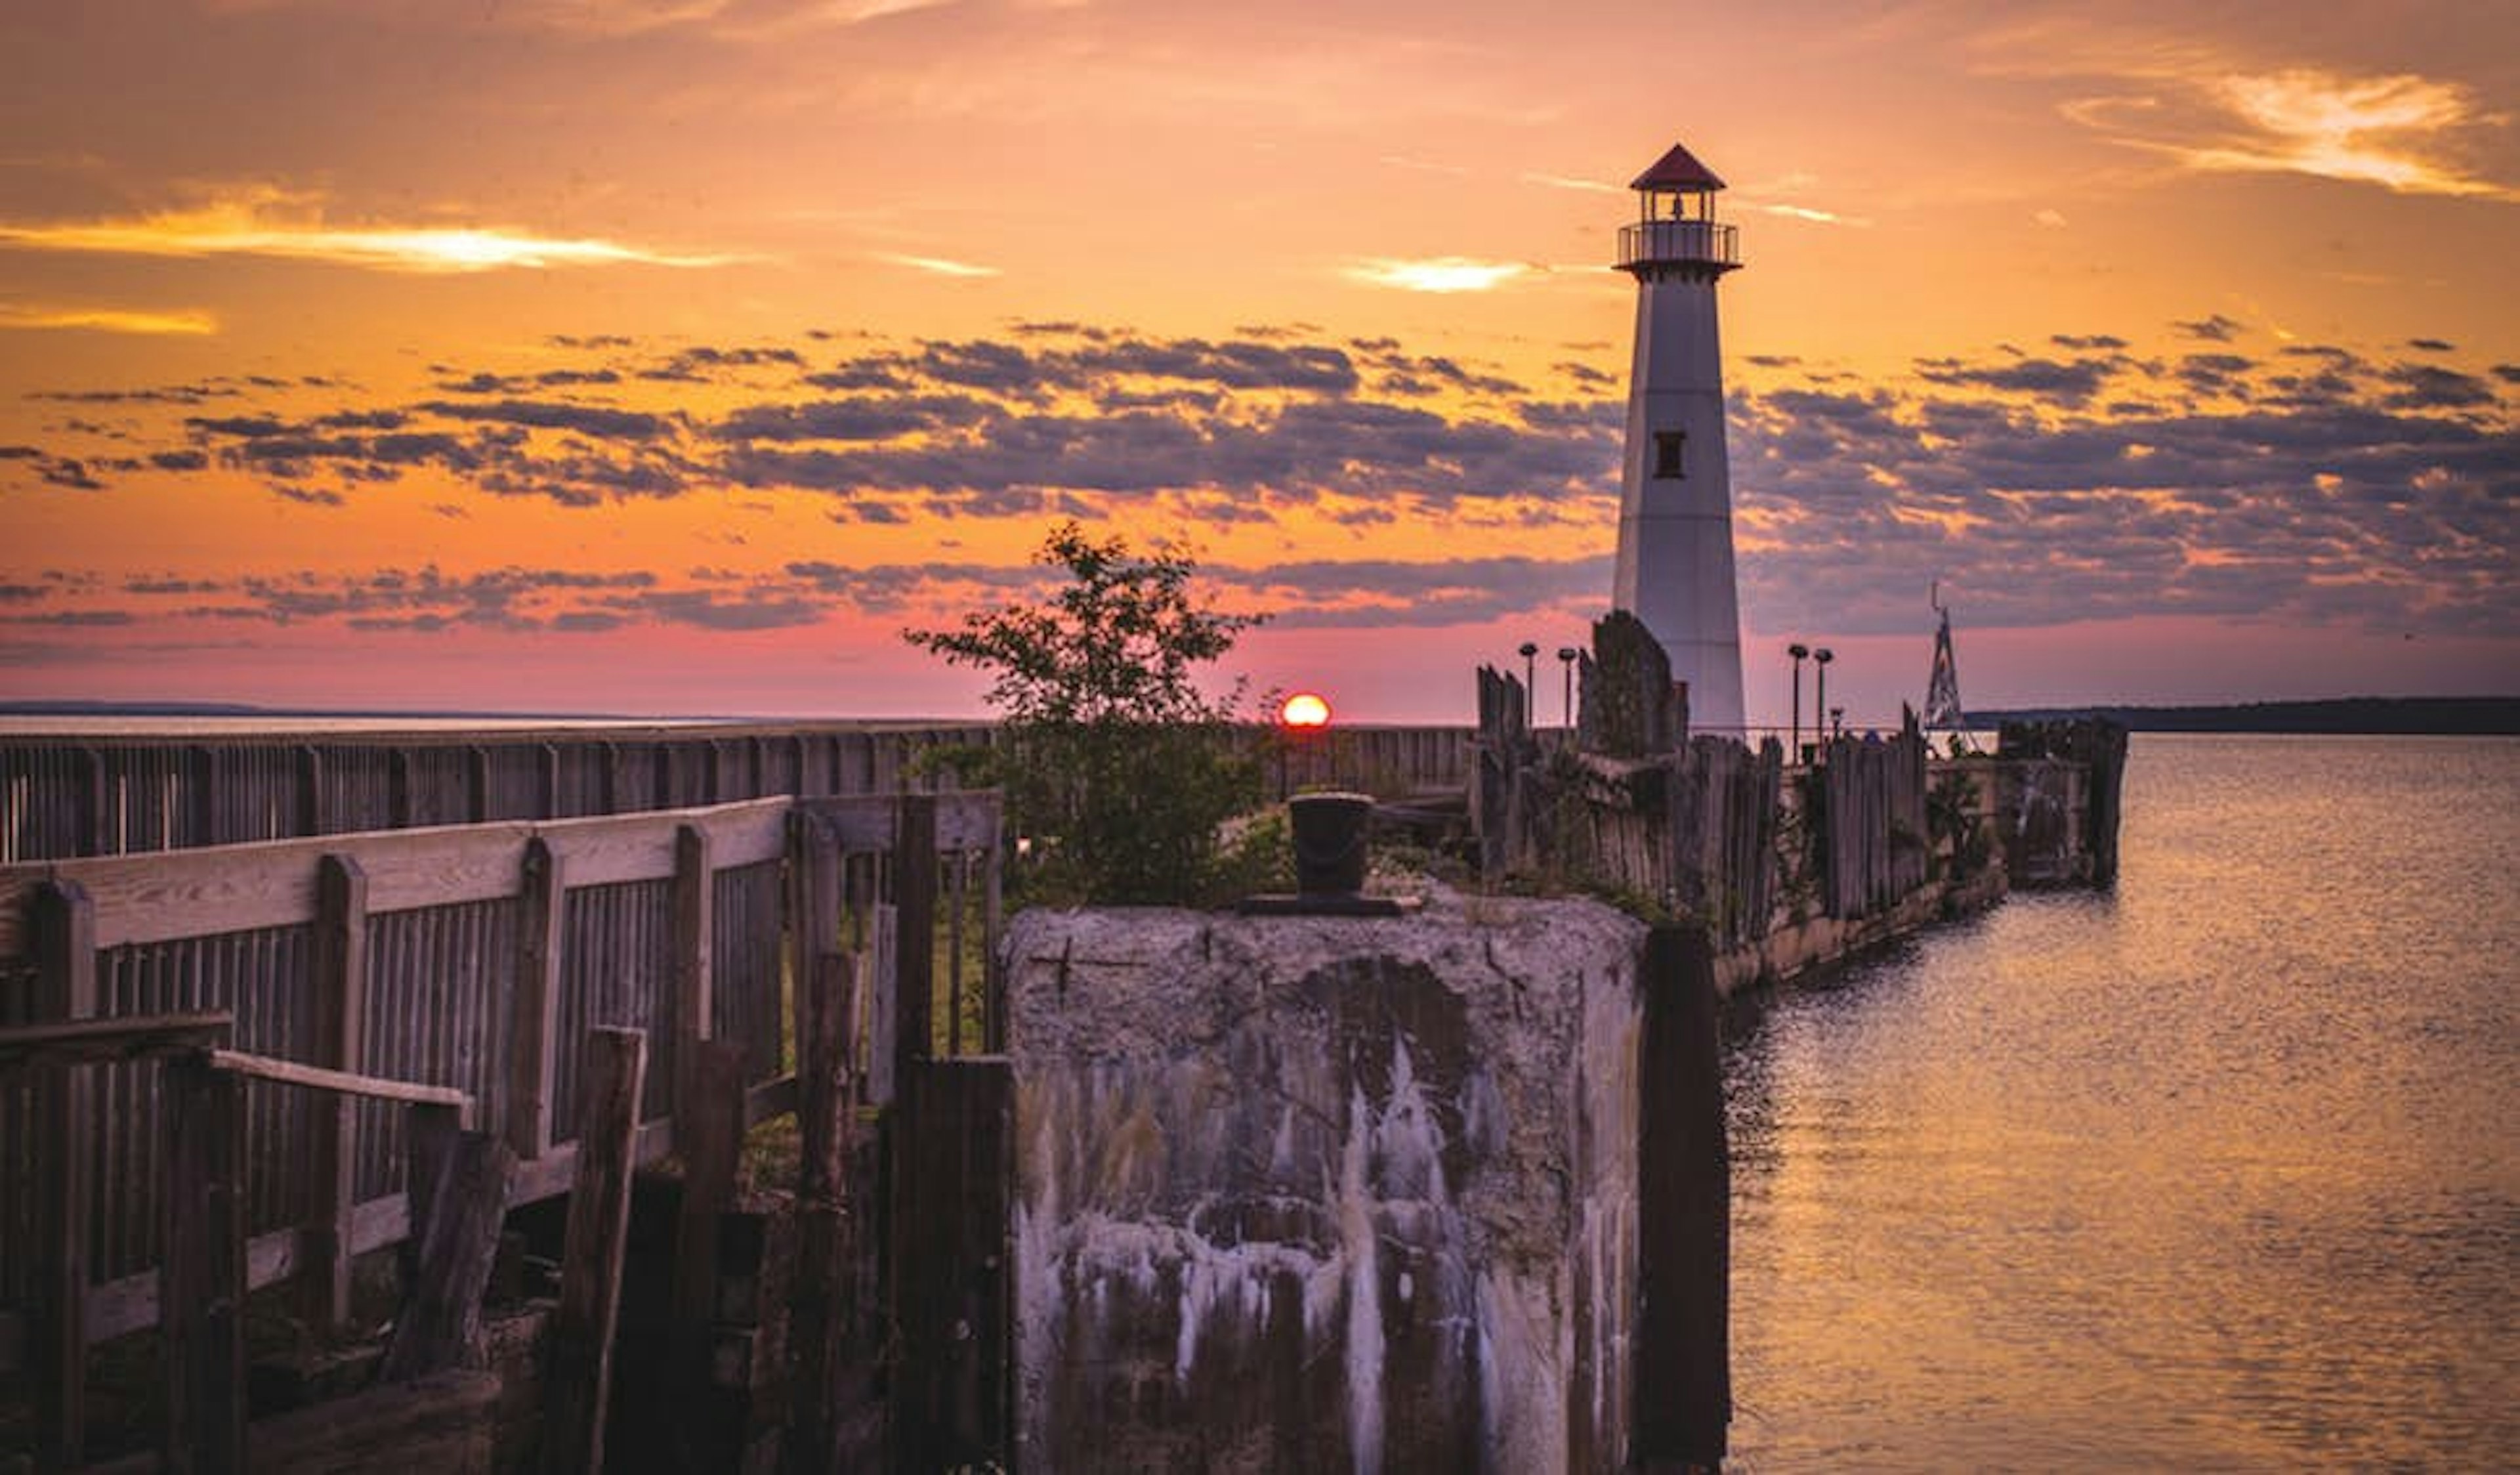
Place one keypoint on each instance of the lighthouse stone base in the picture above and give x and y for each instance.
(1321, 1194)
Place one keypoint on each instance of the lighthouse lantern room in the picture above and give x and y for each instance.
(1675, 566)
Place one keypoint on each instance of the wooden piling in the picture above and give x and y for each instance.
(577, 1397)
(1683, 1375)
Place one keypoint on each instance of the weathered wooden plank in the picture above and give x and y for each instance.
(374, 1087)
(63, 926)
(202, 1280)
(599, 1223)
(101, 1041)
(1682, 1373)
(914, 900)
(339, 983)
(534, 1007)
(954, 1174)
(185, 894)
(440, 1326)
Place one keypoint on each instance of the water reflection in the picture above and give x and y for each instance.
(2211, 1172)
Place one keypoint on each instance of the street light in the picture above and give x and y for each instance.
(1530, 654)
(1819, 702)
(1566, 655)
(1794, 746)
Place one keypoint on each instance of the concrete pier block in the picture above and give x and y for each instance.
(1304, 1193)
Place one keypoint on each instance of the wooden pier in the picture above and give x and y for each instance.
(438, 965)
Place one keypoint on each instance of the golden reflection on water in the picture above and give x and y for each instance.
(2214, 1172)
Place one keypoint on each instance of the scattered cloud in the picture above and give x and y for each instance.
(1569, 182)
(938, 265)
(2402, 133)
(185, 322)
(2080, 479)
(1437, 273)
(264, 221)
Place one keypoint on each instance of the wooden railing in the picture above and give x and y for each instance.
(106, 795)
(472, 961)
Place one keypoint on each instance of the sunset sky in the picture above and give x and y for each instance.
(671, 356)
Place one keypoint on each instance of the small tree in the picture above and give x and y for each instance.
(1113, 762)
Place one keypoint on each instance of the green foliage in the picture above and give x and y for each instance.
(1117, 770)
(1951, 815)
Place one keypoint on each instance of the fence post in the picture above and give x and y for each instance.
(1682, 1374)
(201, 1280)
(341, 987)
(914, 898)
(599, 1231)
(535, 1016)
(694, 939)
(310, 790)
(64, 944)
(821, 1309)
(95, 807)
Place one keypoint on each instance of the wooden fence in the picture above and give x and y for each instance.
(103, 794)
(474, 958)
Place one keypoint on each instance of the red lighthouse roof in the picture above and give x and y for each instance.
(1678, 170)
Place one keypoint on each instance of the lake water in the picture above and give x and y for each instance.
(2220, 1171)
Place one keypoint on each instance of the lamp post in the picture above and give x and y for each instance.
(1819, 701)
(1530, 654)
(1794, 744)
(1566, 655)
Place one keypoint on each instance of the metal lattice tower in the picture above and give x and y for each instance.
(1943, 713)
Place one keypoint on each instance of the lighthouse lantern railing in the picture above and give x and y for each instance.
(1709, 241)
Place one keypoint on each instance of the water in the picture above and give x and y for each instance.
(2219, 1172)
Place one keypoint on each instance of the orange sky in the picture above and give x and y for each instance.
(670, 357)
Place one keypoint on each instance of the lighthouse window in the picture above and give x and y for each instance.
(1670, 450)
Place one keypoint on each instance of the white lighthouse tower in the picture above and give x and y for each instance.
(1675, 490)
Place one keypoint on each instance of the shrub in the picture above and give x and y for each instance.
(1116, 768)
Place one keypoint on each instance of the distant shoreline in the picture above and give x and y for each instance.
(2346, 716)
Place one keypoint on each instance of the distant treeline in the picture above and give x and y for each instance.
(2388, 715)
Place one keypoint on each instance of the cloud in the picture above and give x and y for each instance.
(1570, 182)
(938, 265)
(1442, 274)
(264, 221)
(2311, 483)
(2402, 132)
(2216, 329)
(182, 323)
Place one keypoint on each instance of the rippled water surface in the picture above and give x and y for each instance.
(2218, 1171)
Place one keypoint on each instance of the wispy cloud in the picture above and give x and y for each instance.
(1810, 213)
(2398, 132)
(1568, 182)
(270, 222)
(108, 319)
(938, 265)
(1435, 273)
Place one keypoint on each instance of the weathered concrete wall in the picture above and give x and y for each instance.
(1304, 1194)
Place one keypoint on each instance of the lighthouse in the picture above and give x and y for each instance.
(1674, 569)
